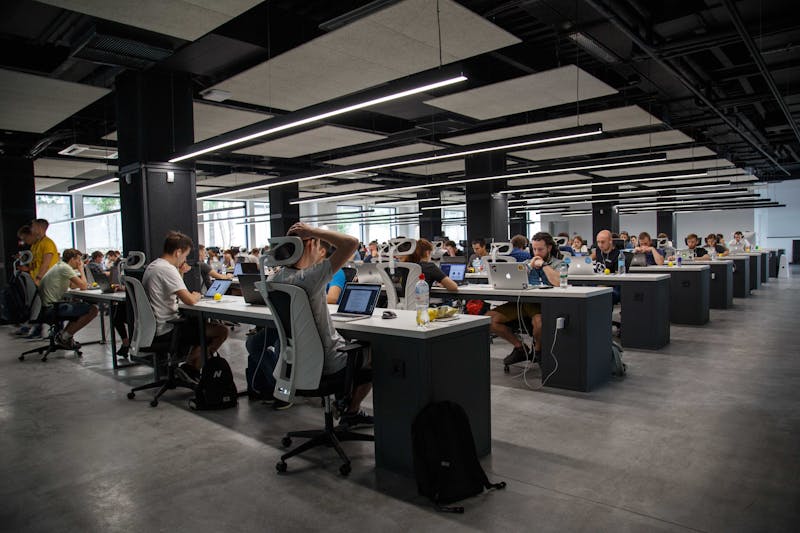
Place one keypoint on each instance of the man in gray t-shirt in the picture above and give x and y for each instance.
(313, 275)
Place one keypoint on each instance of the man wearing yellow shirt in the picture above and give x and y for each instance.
(45, 253)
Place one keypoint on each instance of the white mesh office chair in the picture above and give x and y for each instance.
(299, 369)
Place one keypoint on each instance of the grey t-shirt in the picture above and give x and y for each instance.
(314, 280)
(161, 282)
(537, 276)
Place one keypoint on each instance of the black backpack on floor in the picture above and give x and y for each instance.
(216, 389)
(445, 461)
(13, 307)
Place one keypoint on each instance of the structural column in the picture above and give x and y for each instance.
(487, 209)
(154, 121)
(665, 223)
(430, 222)
(605, 215)
(283, 214)
(17, 207)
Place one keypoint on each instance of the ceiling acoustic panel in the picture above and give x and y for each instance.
(64, 168)
(185, 19)
(409, 149)
(621, 118)
(397, 41)
(613, 144)
(445, 167)
(708, 164)
(213, 120)
(311, 142)
(536, 91)
(36, 103)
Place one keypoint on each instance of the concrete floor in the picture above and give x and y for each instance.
(702, 435)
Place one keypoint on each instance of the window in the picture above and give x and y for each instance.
(219, 228)
(352, 224)
(382, 230)
(454, 224)
(103, 232)
(53, 208)
(263, 230)
(534, 223)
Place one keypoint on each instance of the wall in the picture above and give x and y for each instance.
(634, 224)
(704, 222)
(780, 225)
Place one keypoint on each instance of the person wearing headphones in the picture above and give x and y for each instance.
(739, 244)
(713, 248)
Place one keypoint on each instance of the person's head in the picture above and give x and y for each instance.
(325, 249)
(39, 227)
(25, 234)
(311, 251)
(544, 246)
(692, 240)
(373, 248)
(604, 241)
(644, 239)
(720, 238)
(255, 252)
(634, 240)
(662, 235)
(202, 253)
(519, 242)
(711, 240)
(564, 234)
(450, 246)
(624, 236)
(479, 247)
(422, 252)
(738, 236)
(177, 247)
(97, 256)
(72, 257)
(577, 242)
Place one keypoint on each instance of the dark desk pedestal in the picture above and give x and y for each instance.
(774, 258)
(764, 258)
(755, 272)
(741, 277)
(689, 288)
(721, 294)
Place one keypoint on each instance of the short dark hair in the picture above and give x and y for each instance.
(96, 254)
(692, 236)
(328, 247)
(450, 243)
(69, 254)
(201, 246)
(176, 241)
(712, 236)
(519, 241)
(24, 230)
(645, 235)
(739, 233)
(549, 241)
(480, 242)
(41, 222)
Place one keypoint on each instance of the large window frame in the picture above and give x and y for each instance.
(111, 223)
(223, 224)
(62, 233)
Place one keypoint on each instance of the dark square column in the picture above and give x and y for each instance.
(17, 207)
(283, 214)
(665, 223)
(605, 215)
(430, 222)
(487, 209)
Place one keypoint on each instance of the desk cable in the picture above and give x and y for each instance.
(529, 362)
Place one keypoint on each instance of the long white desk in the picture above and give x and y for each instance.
(96, 296)
(689, 291)
(583, 347)
(411, 368)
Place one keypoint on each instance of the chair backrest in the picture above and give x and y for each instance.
(144, 321)
(32, 300)
(400, 284)
(349, 273)
(302, 355)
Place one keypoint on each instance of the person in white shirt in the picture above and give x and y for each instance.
(739, 243)
(163, 283)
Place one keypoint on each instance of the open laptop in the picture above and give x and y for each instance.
(581, 265)
(245, 268)
(251, 295)
(357, 302)
(103, 283)
(455, 272)
(220, 286)
(513, 276)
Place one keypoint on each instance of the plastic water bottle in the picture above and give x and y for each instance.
(621, 264)
(421, 300)
(562, 273)
(680, 261)
(476, 264)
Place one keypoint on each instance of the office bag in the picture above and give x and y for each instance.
(216, 389)
(445, 460)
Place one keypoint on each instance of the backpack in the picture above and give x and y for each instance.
(13, 307)
(260, 365)
(618, 368)
(445, 461)
(216, 389)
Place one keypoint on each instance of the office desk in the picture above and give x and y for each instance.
(411, 368)
(95, 296)
(755, 267)
(721, 285)
(764, 266)
(645, 306)
(583, 347)
(741, 275)
(689, 291)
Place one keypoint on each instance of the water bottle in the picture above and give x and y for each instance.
(476, 264)
(680, 260)
(621, 263)
(562, 273)
(421, 299)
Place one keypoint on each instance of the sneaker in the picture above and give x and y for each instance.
(61, 342)
(517, 355)
(187, 373)
(22, 331)
(280, 405)
(356, 420)
(123, 352)
(35, 333)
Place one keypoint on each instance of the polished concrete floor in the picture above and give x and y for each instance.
(703, 435)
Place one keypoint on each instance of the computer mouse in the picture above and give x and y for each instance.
(389, 314)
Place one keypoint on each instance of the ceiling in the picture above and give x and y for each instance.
(691, 87)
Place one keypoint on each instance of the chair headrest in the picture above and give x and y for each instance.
(561, 241)
(500, 248)
(662, 242)
(402, 246)
(25, 258)
(283, 251)
(134, 261)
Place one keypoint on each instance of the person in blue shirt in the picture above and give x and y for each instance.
(335, 288)
(372, 252)
(519, 253)
(652, 255)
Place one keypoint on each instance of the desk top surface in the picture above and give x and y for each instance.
(665, 268)
(97, 295)
(747, 254)
(404, 325)
(628, 277)
(487, 291)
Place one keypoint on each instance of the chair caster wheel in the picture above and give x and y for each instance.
(21, 357)
(131, 395)
(281, 466)
(153, 403)
(506, 369)
(44, 359)
(286, 442)
(345, 469)
(79, 354)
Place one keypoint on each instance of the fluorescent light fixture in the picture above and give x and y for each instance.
(719, 203)
(640, 203)
(215, 95)
(405, 202)
(615, 182)
(321, 116)
(593, 47)
(690, 197)
(622, 192)
(78, 219)
(443, 206)
(634, 160)
(577, 214)
(92, 183)
(452, 153)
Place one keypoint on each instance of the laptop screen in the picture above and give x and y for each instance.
(237, 270)
(454, 272)
(219, 286)
(359, 298)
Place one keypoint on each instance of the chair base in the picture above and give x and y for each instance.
(163, 385)
(331, 437)
(44, 351)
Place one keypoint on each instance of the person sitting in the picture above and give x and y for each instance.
(652, 255)
(64, 275)
(452, 250)
(207, 272)
(543, 270)
(721, 241)
(433, 274)
(164, 286)
(519, 253)
(628, 245)
(96, 264)
(479, 251)
(693, 244)
(312, 275)
(372, 252)
(739, 243)
(713, 248)
(335, 287)
(607, 255)
(579, 246)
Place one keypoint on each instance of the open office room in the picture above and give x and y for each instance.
(639, 159)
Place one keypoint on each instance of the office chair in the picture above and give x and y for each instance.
(349, 273)
(50, 317)
(144, 331)
(400, 284)
(299, 369)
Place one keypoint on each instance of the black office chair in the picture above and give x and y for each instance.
(299, 369)
(51, 317)
(349, 273)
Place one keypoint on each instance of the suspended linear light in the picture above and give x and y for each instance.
(97, 182)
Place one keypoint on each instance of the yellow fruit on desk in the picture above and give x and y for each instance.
(432, 314)
(217, 297)
(606, 271)
(94, 284)
(669, 263)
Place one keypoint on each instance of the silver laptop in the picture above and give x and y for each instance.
(357, 302)
(513, 276)
(220, 286)
(581, 265)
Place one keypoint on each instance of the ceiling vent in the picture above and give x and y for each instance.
(89, 152)
(119, 51)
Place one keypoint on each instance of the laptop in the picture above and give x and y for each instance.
(357, 302)
(513, 276)
(103, 283)
(455, 272)
(247, 283)
(685, 255)
(220, 286)
(368, 273)
(581, 265)
(245, 268)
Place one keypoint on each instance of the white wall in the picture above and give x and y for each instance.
(780, 225)
(704, 222)
(634, 224)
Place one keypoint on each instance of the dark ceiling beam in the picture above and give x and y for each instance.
(762, 66)
(747, 70)
(601, 8)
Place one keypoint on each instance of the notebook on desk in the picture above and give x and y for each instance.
(509, 276)
(357, 302)
(251, 295)
(455, 272)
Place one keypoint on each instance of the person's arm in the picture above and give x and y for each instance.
(45, 266)
(345, 244)
(189, 298)
(448, 284)
(657, 257)
(216, 275)
(594, 254)
(336, 287)
(552, 275)
(723, 253)
(79, 282)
